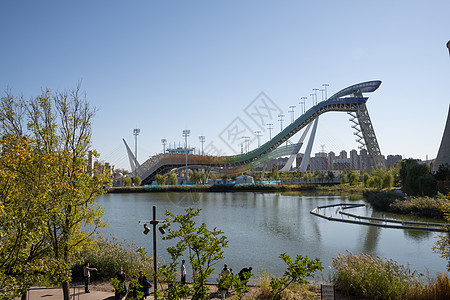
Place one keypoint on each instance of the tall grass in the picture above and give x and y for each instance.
(107, 255)
(372, 277)
(436, 288)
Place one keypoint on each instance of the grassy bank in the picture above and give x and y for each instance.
(389, 201)
(215, 188)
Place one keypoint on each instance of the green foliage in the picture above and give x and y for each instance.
(420, 206)
(160, 179)
(172, 178)
(137, 180)
(353, 178)
(203, 247)
(367, 276)
(195, 177)
(107, 255)
(442, 245)
(295, 273)
(366, 178)
(126, 181)
(46, 186)
(416, 178)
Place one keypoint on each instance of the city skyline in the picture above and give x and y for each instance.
(200, 66)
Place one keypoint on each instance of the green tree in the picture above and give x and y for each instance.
(160, 179)
(353, 178)
(366, 178)
(295, 272)
(137, 180)
(58, 128)
(330, 176)
(126, 181)
(203, 177)
(204, 248)
(415, 178)
(195, 177)
(172, 178)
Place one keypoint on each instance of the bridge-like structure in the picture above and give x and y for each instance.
(350, 100)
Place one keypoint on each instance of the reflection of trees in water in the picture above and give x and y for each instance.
(371, 240)
(417, 235)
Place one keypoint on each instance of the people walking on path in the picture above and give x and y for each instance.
(87, 276)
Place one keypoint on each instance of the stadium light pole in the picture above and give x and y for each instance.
(312, 96)
(258, 135)
(186, 133)
(281, 121)
(202, 140)
(136, 132)
(164, 142)
(325, 86)
(304, 104)
(292, 108)
(269, 127)
(315, 93)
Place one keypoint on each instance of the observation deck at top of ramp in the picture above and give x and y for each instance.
(349, 99)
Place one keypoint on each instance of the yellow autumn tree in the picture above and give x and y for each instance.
(48, 192)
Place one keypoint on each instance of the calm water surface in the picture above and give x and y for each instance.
(261, 226)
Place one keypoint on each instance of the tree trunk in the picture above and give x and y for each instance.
(66, 291)
(24, 296)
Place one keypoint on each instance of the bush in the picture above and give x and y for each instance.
(107, 255)
(420, 206)
(371, 277)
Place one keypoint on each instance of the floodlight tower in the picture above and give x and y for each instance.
(303, 103)
(292, 107)
(269, 127)
(202, 140)
(281, 116)
(258, 134)
(164, 142)
(186, 133)
(136, 132)
(325, 86)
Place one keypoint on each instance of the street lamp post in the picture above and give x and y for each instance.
(186, 133)
(202, 140)
(303, 104)
(154, 222)
(312, 96)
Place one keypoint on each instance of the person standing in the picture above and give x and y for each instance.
(87, 276)
(122, 290)
(144, 284)
(183, 272)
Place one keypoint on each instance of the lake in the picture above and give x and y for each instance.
(261, 226)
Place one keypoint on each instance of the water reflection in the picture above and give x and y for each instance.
(260, 226)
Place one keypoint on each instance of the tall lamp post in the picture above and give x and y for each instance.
(258, 134)
(202, 140)
(292, 107)
(269, 127)
(186, 133)
(315, 93)
(136, 132)
(325, 86)
(303, 104)
(153, 222)
(164, 142)
(281, 116)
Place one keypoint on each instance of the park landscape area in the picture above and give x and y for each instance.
(77, 76)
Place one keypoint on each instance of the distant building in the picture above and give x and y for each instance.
(392, 160)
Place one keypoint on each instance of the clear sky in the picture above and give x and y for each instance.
(166, 66)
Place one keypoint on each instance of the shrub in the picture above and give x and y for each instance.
(369, 276)
(107, 255)
(420, 206)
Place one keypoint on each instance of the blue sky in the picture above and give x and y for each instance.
(165, 66)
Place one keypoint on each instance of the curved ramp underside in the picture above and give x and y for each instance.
(349, 99)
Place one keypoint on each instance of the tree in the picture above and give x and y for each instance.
(172, 178)
(137, 180)
(353, 178)
(126, 181)
(366, 178)
(330, 176)
(50, 138)
(195, 177)
(203, 247)
(416, 179)
(295, 272)
(160, 179)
